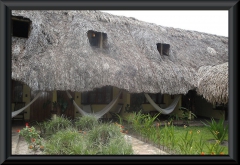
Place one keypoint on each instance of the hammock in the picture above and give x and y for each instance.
(167, 110)
(100, 113)
(87, 108)
(15, 113)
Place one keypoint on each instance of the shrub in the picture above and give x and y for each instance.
(86, 122)
(187, 115)
(217, 129)
(32, 137)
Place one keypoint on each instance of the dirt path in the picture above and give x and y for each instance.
(142, 148)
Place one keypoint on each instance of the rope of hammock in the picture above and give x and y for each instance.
(100, 113)
(164, 111)
(15, 113)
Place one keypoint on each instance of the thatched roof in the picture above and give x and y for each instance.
(57, 55)
(213, 83)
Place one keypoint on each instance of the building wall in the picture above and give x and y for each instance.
(167, 101)
(176, 111)
(125, 100)
(98, 107)
(54, 96)
(149, 108)
(26, 99)
(77, 99)
(205, 109)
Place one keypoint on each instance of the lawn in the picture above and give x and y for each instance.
(199, 133)
(210, 139)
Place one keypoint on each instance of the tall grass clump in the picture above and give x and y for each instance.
(86, 123)
(147, 124)
(217, 129)
(136, 121)
(167, 137)
(101, 134)
(141, 124)
(186, 143)
(53, 125)
(108, 138)
(68, 142)
(117, 146)
(103, 139)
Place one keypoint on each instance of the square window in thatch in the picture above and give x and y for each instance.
(20, 27)
(97, 39)
(163, 49)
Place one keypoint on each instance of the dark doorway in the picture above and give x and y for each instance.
(69, 113)
(188, 100)
(37, 111)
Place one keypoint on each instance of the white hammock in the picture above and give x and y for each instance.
(15, 113)
(100, 113)
(167, 110)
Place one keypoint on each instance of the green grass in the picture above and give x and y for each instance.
(217, 129)
(86, 123)
(198, 132)
(191, 140)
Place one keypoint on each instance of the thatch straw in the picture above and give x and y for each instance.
(213, 84)
(57, 55)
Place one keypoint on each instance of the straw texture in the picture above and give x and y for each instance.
(58, 56)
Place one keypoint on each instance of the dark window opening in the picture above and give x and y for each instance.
(97, 39)
(188, 100)
(17, 91)
(220, 106)
(157, 98)
(139, 98)
(20, 27)
(163, 49)
(98, 96)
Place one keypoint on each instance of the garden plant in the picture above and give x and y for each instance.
(87, 135)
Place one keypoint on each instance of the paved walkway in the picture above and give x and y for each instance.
(142, 148)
